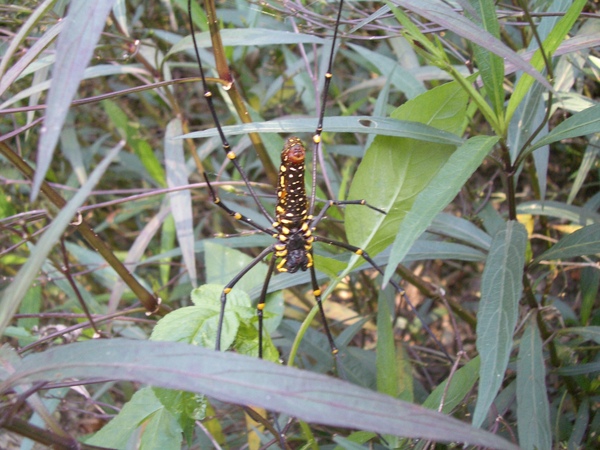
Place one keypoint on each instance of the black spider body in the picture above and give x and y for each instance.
(292, 218)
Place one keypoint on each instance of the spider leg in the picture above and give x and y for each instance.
(236, 215)
(231, 155)
(330, 203)
(317, 294)
(232, 283)
(359, 251)
(261, 305)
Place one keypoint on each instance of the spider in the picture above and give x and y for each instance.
(294, 223)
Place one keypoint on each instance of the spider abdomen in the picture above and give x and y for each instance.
(292, 205)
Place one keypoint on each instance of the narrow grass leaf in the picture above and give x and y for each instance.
(533, 412)
(20, 36)
(592, 332)
(501, 289)
(580, 124)
(30, 55)
(560, 210)
(585, 241)
(550, 44)
(181, 200)
(15, 292)
(448, 18)
(387, 379)
(490, 65)
(341, 124)
(461, 384)
(75, 46)
(461, 229)
(234, 378)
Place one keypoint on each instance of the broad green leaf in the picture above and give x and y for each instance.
(442, 189)
(533, 412)
(239, 379)
(461, 384)
(550, 44)
(14, 293)
(394, 170)
(181, 200)
(408, 127)
(145, 412)
(131, 133)
(224, 263)
(579, 124)
(585, 241)
(501, 289)
(84, 23)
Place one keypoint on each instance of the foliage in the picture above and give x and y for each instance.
(476, 130)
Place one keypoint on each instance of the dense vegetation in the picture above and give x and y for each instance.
(481, 149)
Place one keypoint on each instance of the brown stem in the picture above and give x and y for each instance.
(232, 91)
(149, 300)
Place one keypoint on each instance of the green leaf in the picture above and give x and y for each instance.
(181, 200)
(550, 44)
(387, 374)
(501, 288)
(131, 134)
(490, 65)
(239, 379)
(442, 189)
(461, 385)
(76, 42)
(394, 170)
(575, 214)
(14, 293)
(579, 124)
(159, 427)
(246, 37)
(408, 127)
(591, 333)
(585, 241)
(533, 412)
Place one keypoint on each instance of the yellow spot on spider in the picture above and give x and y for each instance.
(317, 292)
(328, 75)
(359, 251)
(280, 267)
(227, 290)
(237, 216)
(231, 155)
(316, 138)
(207, 94)
(260, 306)
(334, 351)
